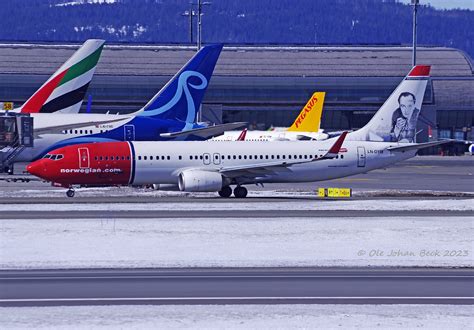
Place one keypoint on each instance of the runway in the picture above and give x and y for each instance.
(230, 214)
(236, 286)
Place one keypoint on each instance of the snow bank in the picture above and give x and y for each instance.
(372, 205)
(91, 243)
(240, 317)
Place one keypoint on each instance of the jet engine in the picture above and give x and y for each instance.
(193, 180)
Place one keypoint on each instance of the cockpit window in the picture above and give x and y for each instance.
(53, 157)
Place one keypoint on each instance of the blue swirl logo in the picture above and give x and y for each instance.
(183, 87)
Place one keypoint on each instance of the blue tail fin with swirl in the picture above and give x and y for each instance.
(181, 97)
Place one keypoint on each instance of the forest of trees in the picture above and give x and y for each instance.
(237, 22)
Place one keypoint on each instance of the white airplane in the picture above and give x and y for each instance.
(305, 127)
(388, 138)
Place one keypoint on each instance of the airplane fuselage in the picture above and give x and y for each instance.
(123, 128)
(272, 136)
(141, 163)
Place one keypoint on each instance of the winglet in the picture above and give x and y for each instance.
(336, 147)
(420, 71)
(242, 135)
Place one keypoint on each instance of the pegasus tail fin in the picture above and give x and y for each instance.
(396, 119)
(309, 119)
(181, 97)
(64, 91)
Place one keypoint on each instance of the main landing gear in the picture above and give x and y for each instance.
(239, 192)
(225, 192)
(70, 192)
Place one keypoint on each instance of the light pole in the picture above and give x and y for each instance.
(191, 13)
(415, 4)
(199, 15)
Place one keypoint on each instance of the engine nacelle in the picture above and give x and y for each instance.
(194, 180)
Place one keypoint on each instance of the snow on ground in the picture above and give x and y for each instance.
(373, 205)
(240, 317)
(237, 242)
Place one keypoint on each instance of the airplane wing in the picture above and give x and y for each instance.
(206, 132)
(55, 129)
(418, 146)
(263, 169)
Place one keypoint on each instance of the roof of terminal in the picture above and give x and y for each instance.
(285, 61)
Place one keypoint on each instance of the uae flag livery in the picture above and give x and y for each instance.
(65, 89)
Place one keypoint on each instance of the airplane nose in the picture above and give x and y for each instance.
(36, 168)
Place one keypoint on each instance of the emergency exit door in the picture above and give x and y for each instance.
(360, 156)
(129, 132)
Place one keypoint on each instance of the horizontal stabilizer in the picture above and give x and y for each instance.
(418, 146)
(206, 132)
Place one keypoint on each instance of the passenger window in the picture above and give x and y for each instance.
(144, 157)
(235, 157)
(305, 156)
(180, 157)
(123, 157)
(283, 156)
(301, 156)
(278, 156)
(200, 157)
(273, 157)
(266, 156)
(139, 158)
(162, 157)
(342, 156)
(261, 156)
(168, 157)
(128, 157)
(240, 156)
(101, 158)
(191, 157)
(75, 131)
(245, 156)
(96, 158)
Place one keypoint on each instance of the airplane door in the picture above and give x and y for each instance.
(360, 156)
(217, 159)
(129, 132)
(206, 158)
(84, 161)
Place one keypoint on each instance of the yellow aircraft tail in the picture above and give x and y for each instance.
(309, 119)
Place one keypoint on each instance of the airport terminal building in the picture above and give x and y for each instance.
(265, 85)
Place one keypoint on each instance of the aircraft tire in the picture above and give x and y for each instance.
(240, 192)
(225, 192)
(70, 193)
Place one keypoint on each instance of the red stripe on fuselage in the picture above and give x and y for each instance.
(107, 164)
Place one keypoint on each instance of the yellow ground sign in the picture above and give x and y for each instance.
(335, 192)
(6, 105)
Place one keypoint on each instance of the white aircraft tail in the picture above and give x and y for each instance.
(396, 120)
